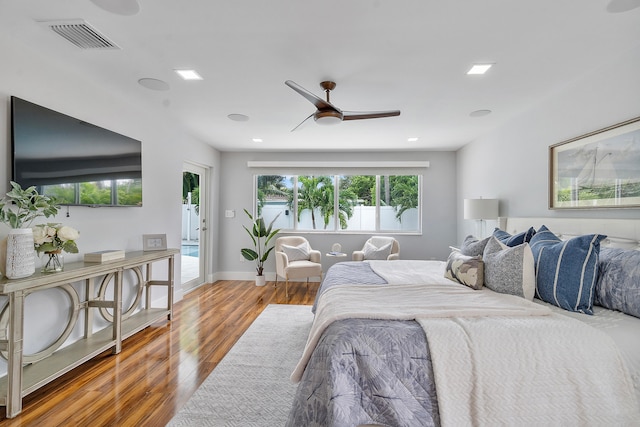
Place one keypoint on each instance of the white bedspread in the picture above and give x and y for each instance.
(409, 302)
(408, 272)
(563, 373)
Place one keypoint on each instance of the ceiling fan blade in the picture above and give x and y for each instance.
(315, 100)
(303, 122)
(360, 115)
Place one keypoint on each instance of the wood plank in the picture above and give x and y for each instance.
(160, 367)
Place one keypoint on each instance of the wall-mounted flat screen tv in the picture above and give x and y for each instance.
(76, 162)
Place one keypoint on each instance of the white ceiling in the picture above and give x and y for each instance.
(410, 55)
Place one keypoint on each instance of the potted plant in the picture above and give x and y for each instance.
(18, 209)
(261, 235)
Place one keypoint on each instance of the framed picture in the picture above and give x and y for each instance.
(597, 170)
(154, 242)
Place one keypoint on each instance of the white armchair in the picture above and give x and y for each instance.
(380, 248)
(296, 260)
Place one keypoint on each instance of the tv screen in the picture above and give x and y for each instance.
(76, 162)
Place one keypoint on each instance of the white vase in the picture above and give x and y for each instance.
(3, 256)
(261, 280)
(21, 255)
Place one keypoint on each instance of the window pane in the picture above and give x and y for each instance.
(315, 202)
(357, 202)
(275, 194)
(399, 202)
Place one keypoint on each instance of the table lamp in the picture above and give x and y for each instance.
(481, 210)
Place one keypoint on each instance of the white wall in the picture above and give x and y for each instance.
(438, 221)
(511, 163)
(165, 148)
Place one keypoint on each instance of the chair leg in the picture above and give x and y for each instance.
(275, 285)
(286, 288)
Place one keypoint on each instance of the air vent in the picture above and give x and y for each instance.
(80, 33)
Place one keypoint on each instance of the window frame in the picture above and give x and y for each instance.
(336, 177)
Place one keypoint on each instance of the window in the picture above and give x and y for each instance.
(340, 203)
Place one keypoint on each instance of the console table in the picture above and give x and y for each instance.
(24, 373)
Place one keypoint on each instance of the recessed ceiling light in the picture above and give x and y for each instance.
(189, 74)
(479, 113)
(153, 84)
(412, 139)
(238, 117)
(257, 139)
(479, 68)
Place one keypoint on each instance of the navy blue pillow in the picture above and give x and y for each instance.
(513, 240)
(566, 271)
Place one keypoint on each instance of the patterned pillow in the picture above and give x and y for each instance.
(373, 252)
(566, 271)
(296, 253)
(471, 246)
(516, 239)
(467, 270)
(618, 284)
(509, 270)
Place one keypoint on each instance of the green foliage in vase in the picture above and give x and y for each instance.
(21, 206)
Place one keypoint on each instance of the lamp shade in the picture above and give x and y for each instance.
(480, 208)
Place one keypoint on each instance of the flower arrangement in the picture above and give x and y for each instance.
(55, 238)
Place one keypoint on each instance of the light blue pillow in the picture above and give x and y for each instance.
(516, 239)
(618, 285)
(566, 271)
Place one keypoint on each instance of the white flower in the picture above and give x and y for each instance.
(50, 231)
(67, 233)
(41, 235)
(55, 237)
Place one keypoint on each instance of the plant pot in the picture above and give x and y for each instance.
(21, 255)
(261, 280)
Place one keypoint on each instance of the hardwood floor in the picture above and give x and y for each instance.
(160, 367)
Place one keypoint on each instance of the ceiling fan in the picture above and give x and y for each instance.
(328, 113)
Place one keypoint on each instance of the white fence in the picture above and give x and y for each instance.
(363, 219)
(190, 223)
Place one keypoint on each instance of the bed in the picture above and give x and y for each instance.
(419, 343)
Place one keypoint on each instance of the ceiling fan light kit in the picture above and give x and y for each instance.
(327, 113)
(327, 117)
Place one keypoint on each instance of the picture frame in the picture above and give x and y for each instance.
(598, 170)
(154, 242)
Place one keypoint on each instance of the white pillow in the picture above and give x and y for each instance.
(372, 252)
(297, 253)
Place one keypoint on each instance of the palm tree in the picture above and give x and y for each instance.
(363, 186)
(316, 192)
(270, 185)
(403, 192)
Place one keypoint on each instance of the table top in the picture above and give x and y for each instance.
(338, 254)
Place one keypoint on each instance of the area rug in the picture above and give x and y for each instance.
(251, 386)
